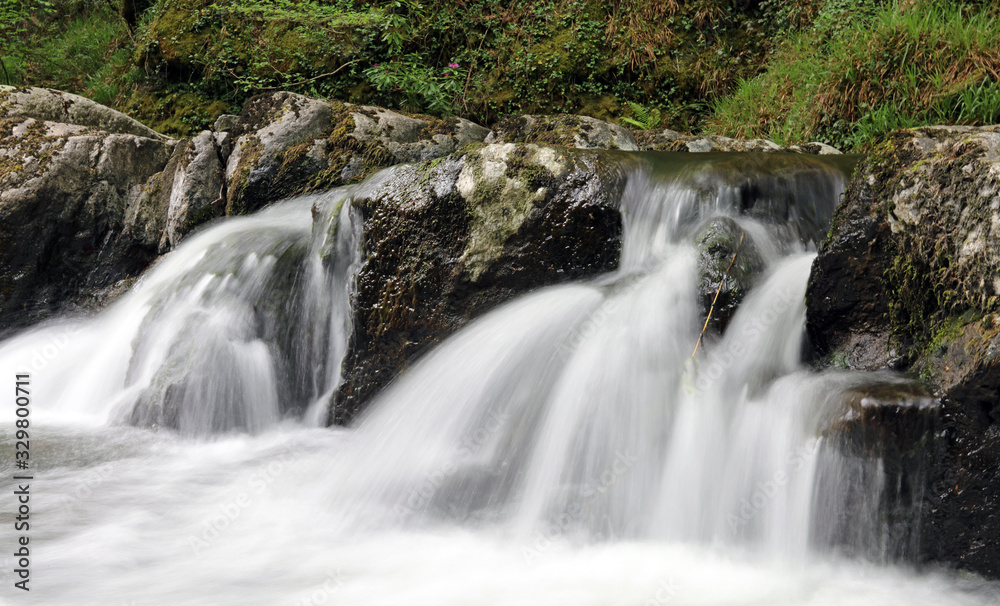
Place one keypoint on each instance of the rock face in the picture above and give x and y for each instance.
(446, 240)
(90, 197)
(65, 108)
(66, 193)
(565, 130)
(909, 277)
(286, 144)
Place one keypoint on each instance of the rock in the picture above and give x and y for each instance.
(730, 265)
(286, 144)
(669, 140)
(448, 239)
(196, 191)
(817, 148)
(225, 123)
(910, 277)
(880, 452)
(565, 130)
(65, 108)
(64, 192)
(909, 246)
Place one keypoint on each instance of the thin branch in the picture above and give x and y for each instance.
(311, 79)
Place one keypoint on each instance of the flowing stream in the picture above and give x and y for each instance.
(569, 447)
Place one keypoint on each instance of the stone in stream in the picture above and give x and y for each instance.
(909, 277)
(446, 240)
(887, 435)
(730, 265)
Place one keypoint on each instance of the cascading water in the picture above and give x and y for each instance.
(570, 447)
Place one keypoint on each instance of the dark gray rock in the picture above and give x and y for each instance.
(64, 194)
(446, 240)
(909, 277)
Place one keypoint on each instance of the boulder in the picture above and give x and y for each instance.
(730, 266)
(196, 191)
(66, 108)
(448, 239)
(65, 191)
(564, 130)
(910, 252)
(286, 144)
(909, 278)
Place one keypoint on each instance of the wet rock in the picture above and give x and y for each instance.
(565, 130)
(909, 247)
(910, 277)
(448, 239)
(65, 108)
(878, 459)
(64, 194)
(673, 141)
(286, 144)
(730, 265)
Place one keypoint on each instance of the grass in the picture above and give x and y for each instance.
(908, 64)
(844, 72)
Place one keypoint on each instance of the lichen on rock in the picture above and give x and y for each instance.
(64, 194)
(447, 239)
(909, 278)
(287, 144)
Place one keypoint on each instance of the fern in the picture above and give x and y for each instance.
(646, 118)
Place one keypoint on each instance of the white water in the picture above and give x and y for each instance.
(566, 448)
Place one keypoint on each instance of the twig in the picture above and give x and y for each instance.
(717, 292)
(310, 79)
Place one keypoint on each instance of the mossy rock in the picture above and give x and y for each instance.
(445, 240)
(67, 194)
(730, 266)
(581, 132)
(909, 277)
(287, 144)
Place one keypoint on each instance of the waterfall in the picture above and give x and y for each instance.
(581, 410)
(604, 441)
(244, 324)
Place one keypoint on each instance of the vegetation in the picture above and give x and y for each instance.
(838, 71)
(864, 69)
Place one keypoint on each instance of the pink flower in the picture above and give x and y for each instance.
(446, 74)
(452, 65)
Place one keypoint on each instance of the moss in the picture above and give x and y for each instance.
(250, 156)
(32, 150)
